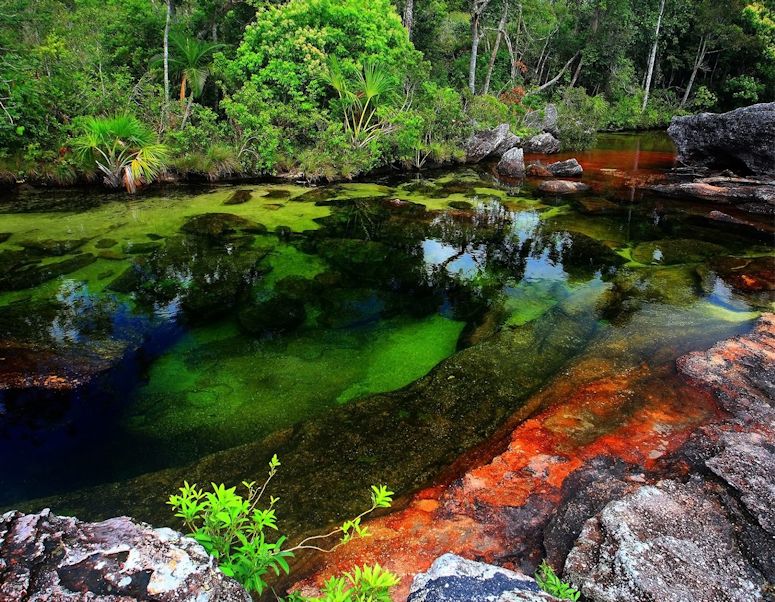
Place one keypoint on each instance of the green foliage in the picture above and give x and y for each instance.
(488, 112)
(704, 99)
(124, 150)
(579, 118)
(743, 90)
(237, 531)
(548, 581)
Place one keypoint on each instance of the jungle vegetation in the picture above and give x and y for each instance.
(121, 91)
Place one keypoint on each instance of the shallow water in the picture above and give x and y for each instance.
(305, 320)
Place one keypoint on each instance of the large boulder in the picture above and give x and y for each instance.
(512, 164)
(545, 121)
(455, 579)
(543, 143)
(490, 143)
(562, 187)
(565, 169)
(44, 557)
(743, 139)
(669, 542)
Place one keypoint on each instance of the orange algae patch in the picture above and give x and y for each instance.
(638, 415)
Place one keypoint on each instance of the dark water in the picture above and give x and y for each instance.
(304, 320)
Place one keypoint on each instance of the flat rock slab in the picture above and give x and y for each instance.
(44, 558)
(455, 579)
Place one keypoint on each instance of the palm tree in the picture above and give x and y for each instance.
(359, 101)
(190, 61)
(124, 150)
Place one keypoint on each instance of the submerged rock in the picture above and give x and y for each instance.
(25, 275)
(565, 169)
(755, 196)
(279, 313)
(743, 138)
(512, 164)
(675, 251)
(53, 247)
(5, 236)
(563, 187)
(495, 143)
(543, 143)
(216, 225)
(48, 557)
(239, 197)
(669, 542)
(455, 579)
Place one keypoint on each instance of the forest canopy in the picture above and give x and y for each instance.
(333, 88)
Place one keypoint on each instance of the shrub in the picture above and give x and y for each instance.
(488, 112)
(236, 530)
(704, 99)
(548, 581)
(579, 118)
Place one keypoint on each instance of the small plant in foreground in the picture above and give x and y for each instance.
(548, 581)
(234, 530)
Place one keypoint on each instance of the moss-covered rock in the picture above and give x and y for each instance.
(675, 251)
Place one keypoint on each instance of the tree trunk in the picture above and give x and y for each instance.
(182, 96)
(577, 72)
(557, 77)
(167, 52)
(474, 52)
(697, 63)
(653, 56)
(187, 112)
(501, 33)
(409, 17)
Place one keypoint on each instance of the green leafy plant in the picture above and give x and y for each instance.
(548, 581)
(123, 149)
(236, 531)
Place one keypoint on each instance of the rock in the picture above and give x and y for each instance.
(239, 197)
(544, 122)
(743, 138)
(675, 251)
(455, 579)
(739, 371)
(461, 205)
(562, 187)
(277, 193)
(5, 236)
(669, 542)
(746, 274)
(53, 247)
(29, 275)
(538, 170)
(44, 557)
(216, 225)
(543, 143)
(495, 142)
(139, 248)
(105, 243)
(565, 169)
(512, 164)
(755, 196)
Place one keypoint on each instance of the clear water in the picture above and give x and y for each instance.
(367, 332)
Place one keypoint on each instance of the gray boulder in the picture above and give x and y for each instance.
(545, 121)
(455, 579)
(543, 143)
(44, 557)
(490, 143)
(565, 169)
(512, 164)
(563, 187)
(743, 139)
(670, 542)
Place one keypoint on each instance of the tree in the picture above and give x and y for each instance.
(123, 149)
(653, 55)
(477, 11)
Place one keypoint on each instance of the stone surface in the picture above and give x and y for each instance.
(743, 139)
(512, 164)
(455, 579)
(44, 557)
(669, 542)
(538, 170)
(495, 143)
(543, 143)
(753, 195)
(544, 122)
(562, 187)
(565, 169)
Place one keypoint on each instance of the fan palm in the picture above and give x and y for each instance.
(359, 101)
(125, 151)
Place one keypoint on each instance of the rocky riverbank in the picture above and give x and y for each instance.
(672, 503)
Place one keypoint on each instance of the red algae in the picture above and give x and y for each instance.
(639, 415)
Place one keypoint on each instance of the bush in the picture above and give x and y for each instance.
(743, 90)
(236, 531)
(488, 112)
(580, 116)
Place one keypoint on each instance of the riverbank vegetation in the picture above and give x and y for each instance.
(323, 89)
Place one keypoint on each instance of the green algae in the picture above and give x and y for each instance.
(233, 388)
